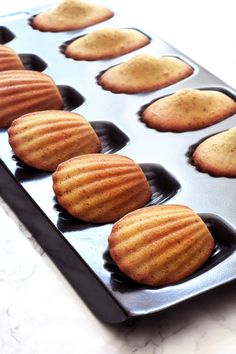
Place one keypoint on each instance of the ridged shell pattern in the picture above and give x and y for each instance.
(9, 60)
(45, 139)
(25, 91)
(100, 188)
(160, 245)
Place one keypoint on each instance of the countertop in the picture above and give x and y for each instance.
(39, 311)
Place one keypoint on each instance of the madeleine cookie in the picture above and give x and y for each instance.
(188, 109)
(144, 73)
(217, 154)
(160, 245)
(100, 188)
(45, 139)
(25, 91)
(71, 15)
(9, 60)
(104, 43)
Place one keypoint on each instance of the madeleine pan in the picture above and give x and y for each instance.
(79, 249)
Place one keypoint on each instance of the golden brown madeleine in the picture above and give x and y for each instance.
(100, 188)
(71, 15)
(161, 244)
(144, 73)
(45, 139)
(217, 154)
(189, 109)
(9, 60)
(104, 43)
(25, 91)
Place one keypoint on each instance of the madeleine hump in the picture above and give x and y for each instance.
(71, 15)
(100, 188)
(188, 109)
(144, 73)
(217, 155)
(160, 245)
(105, 43)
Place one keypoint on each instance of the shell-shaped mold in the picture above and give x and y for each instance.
(100, 188)
(217, 154)
(45, 139)
(25, 91)
(5, 35)
(105, 43)
(70, 15)
(160, 245)
(9, 60)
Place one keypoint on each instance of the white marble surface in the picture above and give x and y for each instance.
(39, 311)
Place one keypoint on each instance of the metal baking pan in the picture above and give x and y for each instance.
(80, 249)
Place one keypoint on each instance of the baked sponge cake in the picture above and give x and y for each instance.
(105, 43)
(217, 154)
(45, 139)
(9, 59)
(100, 188)
(71, 15)
(160, 245)
(26, 91)
(144, 73)
(188, 109)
